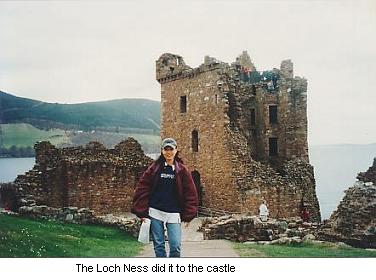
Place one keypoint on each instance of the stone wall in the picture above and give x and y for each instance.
(354, 221)
(85, 177)
(233, 168)
(8, 196)
(127, 223)
(65, 214)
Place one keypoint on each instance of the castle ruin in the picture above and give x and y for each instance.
(92, 176)
(242, 132)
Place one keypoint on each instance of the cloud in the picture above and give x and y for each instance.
(78, 51)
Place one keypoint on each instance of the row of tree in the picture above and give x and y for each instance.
(15, 152)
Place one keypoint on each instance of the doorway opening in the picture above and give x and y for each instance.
(197, 180)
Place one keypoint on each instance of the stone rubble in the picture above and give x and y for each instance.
(370, 175)
(245, 228)
(65, 214)
(354, 221)
(127, 223)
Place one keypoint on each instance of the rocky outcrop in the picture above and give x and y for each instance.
(369, 175)
(354, 221)
(245, 228)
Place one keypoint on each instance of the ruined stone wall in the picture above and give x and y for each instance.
(101, 186)
(8, 196)
(354, 220)
(290, 182)
(296, 123)
(45, 183)
(130, 224)
(369, 175)
(284, 194)
(217, 109)
(289, 96)
(286, 181)
(85, 177)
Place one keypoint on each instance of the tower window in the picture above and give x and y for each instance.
(183, 104)
(273, 114)
(273, 146)
(253, 117)
(253, 89)
(195, 141)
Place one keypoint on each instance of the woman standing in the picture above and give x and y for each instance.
(167, 195)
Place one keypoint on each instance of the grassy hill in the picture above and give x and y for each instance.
(25, 135)
(22, 237)
(112, 115)
(25, 121)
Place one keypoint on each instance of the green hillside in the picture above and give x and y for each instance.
(22, 135)
(113, 115)
(25, 135)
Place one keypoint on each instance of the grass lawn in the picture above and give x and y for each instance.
(306, 250)
(22, 237)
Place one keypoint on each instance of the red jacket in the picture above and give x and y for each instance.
(186, 190)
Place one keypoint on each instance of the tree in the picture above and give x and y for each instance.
(13, 151)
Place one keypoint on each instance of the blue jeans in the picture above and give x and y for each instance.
(174, 238)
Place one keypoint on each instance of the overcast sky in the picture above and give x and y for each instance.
(80, 51)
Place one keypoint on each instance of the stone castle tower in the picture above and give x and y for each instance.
(242, 132)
